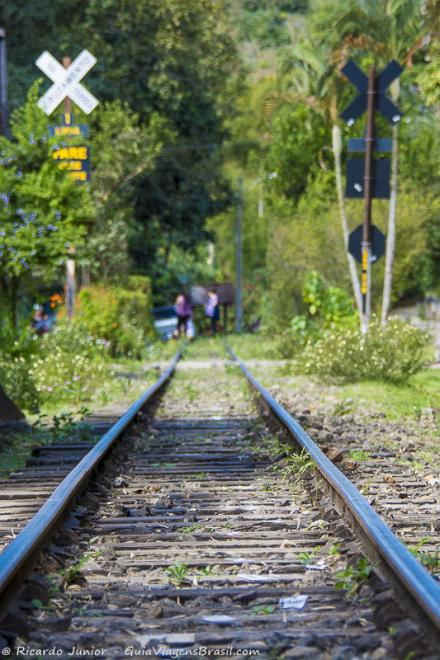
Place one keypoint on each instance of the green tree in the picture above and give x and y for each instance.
(178, 61)
(173, 60)
(123, 149)
(42, 210)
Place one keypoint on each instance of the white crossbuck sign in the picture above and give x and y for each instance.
(66, 82)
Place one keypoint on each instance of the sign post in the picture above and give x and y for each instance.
(371, 178)
(368, 187)
(67, 61)
(74, 159)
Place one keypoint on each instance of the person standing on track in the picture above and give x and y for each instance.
(212, 311)
(184, 313)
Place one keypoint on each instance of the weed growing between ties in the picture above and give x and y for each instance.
(298, 465)
(306, 558)
(71, 574)
(178, 574)
(190, 529)
(63, 579)
(429, 559)
(291, 465)
(359, 455)
(352, 578)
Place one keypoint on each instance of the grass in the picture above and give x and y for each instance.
(298, 464)
(247, 346)
(56, 421)
(112, 390)
(404, 400)
(395, 400)
(205, 348)
(430, 560)
(255, 346)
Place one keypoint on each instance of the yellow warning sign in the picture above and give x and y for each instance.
(74, 160)
(71, 153)
(78, 176)
(67, 130)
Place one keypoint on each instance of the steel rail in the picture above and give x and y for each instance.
(401, 567)
(16, 557)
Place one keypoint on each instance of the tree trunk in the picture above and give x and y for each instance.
(9, 412)
(337, 148)
(167, 250)
(391, 236)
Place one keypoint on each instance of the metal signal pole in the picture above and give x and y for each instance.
(4, 123)
(238, 256)
(368, 194)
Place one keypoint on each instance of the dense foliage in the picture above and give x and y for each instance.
(118, 316)
(66, 365)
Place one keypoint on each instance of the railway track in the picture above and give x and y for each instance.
(201, 536)
(49, 463)
(387, 471)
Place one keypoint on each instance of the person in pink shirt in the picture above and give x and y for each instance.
(184, 313)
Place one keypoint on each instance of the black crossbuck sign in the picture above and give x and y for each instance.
(383, 104)
(381, 168)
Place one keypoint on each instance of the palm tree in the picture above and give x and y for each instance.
(311, 78)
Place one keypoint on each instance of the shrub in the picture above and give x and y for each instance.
(302, 330)
(68, 365)
(343, 354)
(329, 304)
(18, 383)
(121, 316)
(327, 307)
(15, 359)
(63, 365)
